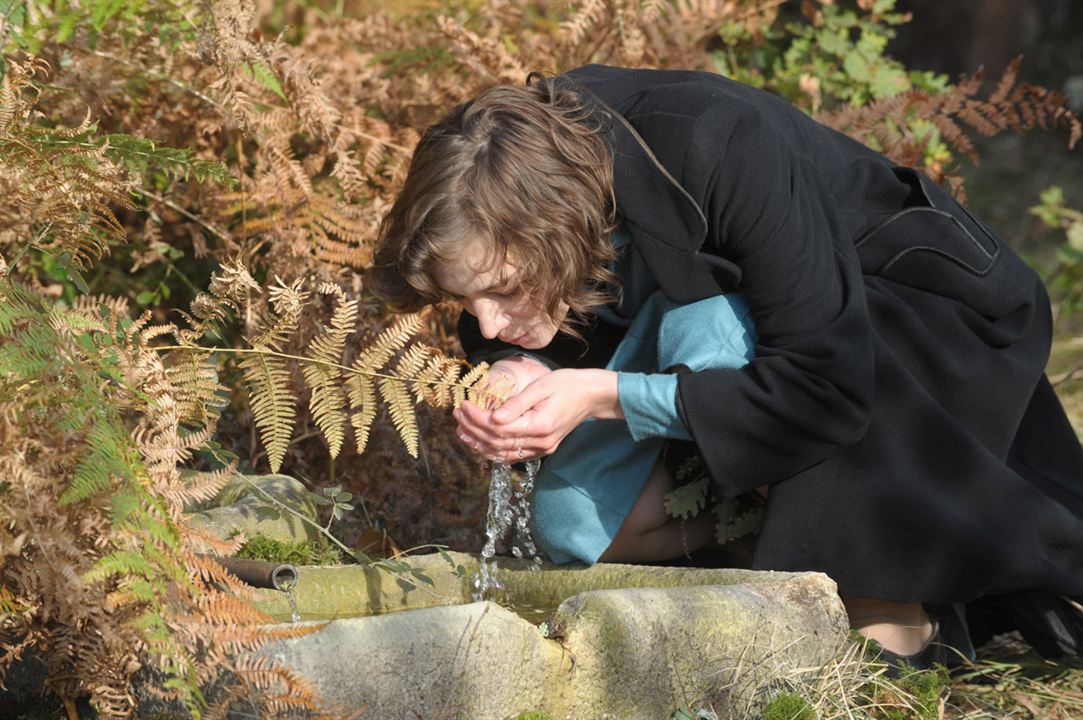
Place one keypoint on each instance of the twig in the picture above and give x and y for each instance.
(1066, 377)
(157, 76)
(174, 206)
(27, 247)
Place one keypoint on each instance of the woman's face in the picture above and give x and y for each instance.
(496, 298)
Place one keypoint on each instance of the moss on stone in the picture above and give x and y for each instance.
(317, 552)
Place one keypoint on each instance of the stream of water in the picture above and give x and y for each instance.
(509, 509)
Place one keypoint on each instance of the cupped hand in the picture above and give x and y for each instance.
(533, 422)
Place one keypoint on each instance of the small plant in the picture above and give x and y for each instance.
(337, 498)
(788, 706)
(1067, 277)
(924, 688)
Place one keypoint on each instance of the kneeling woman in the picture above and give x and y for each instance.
(678, 269)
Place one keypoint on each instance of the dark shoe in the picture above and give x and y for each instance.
(1052, 624)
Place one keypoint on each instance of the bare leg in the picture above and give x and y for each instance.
(902, 628)
(648, 534)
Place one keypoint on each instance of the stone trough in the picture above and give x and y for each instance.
(618, 641)
(621, 641)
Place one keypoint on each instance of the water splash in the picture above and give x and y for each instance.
(284, 578)
(509, 508)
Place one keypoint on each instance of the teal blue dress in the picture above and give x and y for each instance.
(585, 490)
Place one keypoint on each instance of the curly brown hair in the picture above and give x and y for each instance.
(525, 167)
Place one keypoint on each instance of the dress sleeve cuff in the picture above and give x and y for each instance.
(649, 403)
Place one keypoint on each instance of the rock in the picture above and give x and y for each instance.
(241, 507)
(471, 661)
(643, 653)
(633, 652)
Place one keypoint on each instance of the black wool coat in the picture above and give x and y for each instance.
(897, 404)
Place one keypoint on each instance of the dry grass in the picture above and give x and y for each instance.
(1007, 681)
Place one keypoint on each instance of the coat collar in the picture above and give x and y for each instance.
(667, 225)
(649, 198)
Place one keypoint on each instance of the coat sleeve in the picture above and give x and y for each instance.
(809, 389)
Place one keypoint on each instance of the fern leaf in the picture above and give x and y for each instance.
(328, 402)
(409, 365)
(362, 393)
(110, 455)
(273, 405)
(470, 384)
(388, 343)
(1006, 82)
(397, 397)
(687, 500)
(428, 384)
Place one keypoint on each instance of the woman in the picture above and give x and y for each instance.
(895, 413)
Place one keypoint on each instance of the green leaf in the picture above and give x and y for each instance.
(265, 77)
(1075, 236)
(1052, 195)
(687, 500)
(422, 577)
(68, 23)
(888, 81)
(856, 66)
(836, 43)
(145, 297)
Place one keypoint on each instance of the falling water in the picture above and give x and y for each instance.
(284, 578)
(509, 508)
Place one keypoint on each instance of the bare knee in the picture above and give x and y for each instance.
(649, 534)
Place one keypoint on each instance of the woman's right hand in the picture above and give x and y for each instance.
(509, 376)
(515, 373)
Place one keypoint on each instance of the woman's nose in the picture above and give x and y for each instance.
(491, 320)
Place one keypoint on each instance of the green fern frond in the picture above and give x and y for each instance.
(74, 322)
(401, 408)
(273, 405)
(110, 456)
(122, 562)
(17, 306)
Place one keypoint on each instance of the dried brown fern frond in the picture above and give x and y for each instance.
(322, 373)
(489, 58)
(58, 186)
(333, 232)
(272, 403)
(361, 386)
(885, 124)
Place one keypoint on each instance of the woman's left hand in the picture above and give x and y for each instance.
(532, 423)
